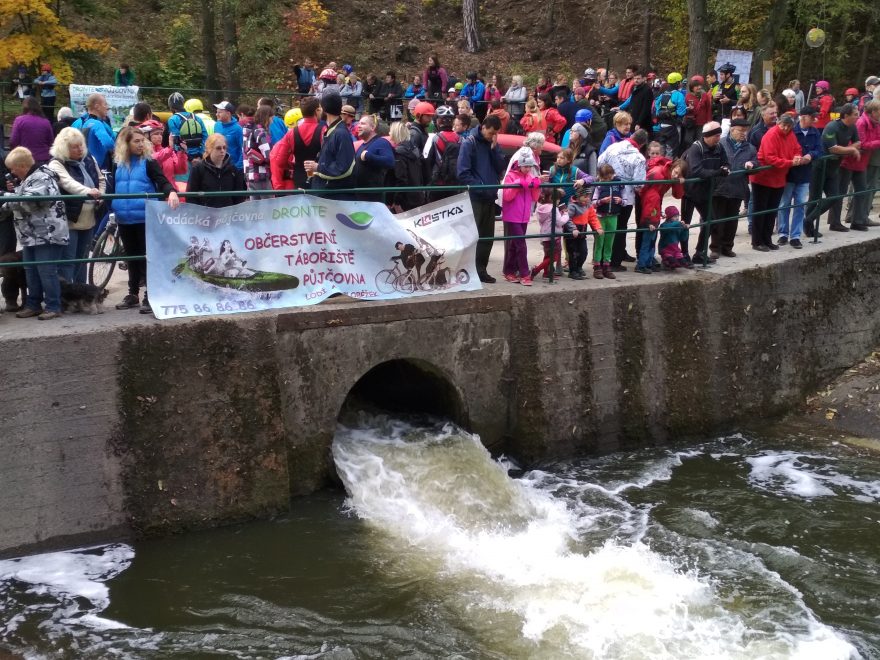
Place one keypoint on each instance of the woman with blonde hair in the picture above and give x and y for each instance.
(216, 173)
(136, 172)
(621, 131)
(407, 169)
(78, 174)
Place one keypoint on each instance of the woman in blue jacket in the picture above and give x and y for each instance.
(136, 172)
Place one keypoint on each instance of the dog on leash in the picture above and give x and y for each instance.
(14, 281)
(82, 297)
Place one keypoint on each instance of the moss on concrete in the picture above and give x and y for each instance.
(688, 356)
(530, 387)
(629, 337)
(201, 438)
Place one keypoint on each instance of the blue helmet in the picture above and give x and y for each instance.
(583, 115)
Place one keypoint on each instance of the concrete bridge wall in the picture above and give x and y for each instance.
(149, 428)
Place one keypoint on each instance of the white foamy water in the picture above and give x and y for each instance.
(510, 553)
(76, 579)
(807, 475)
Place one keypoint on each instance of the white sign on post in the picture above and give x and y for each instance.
(120, 100)
(741, 59)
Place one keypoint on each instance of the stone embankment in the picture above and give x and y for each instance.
(120, 424)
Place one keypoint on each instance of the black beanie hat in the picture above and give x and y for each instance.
(331, 103)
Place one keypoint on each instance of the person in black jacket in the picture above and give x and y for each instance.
(215, 173)
(706, 160)
(640, 104)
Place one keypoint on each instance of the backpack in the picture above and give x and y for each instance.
(666, 109)
(446, 168)
(190, 131)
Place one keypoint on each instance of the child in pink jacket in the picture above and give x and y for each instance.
(544, 211)
(172, 162)
(516, 209)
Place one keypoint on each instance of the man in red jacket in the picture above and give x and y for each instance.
(781, 150)
(301, 143)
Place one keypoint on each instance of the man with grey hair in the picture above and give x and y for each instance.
(65, 119)
(839, 138)
(854, 169)
(768, 116)
(871, 85)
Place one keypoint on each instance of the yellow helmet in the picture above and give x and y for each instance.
(292, 116)
(193, 105)
(674, 78)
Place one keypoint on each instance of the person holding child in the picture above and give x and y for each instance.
(516, 210)
(581, 218)
(660, 168)
(567, 176)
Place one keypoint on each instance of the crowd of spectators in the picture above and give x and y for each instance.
(626, 142)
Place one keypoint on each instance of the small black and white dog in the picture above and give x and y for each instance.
(82, 297)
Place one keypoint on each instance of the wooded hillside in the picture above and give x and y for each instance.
(250, 44)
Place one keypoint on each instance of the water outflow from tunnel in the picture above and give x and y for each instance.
(551, 564)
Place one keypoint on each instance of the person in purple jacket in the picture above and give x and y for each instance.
(33, 131)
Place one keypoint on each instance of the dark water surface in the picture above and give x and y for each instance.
(751, 546)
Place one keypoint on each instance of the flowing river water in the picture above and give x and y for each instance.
(760, 545)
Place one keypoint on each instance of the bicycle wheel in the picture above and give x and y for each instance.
(406, 283)
(106, 245)
(462, 277)
(385, 280)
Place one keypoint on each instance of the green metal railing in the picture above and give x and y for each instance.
(552, 235)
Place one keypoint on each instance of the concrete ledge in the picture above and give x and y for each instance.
(124, 423)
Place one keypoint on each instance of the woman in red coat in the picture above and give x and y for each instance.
(781, 150)
(660, 168)
(553, 121)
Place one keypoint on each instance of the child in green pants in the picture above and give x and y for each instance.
(608, 200)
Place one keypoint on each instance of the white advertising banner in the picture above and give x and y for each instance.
(299, 250)
(120, 99)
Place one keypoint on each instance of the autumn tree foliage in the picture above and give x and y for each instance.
(33, 34)
(306, 22)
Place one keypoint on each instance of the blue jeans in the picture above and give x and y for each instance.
(42, 281)
(646, 251)
(77, 248)
(793, 193)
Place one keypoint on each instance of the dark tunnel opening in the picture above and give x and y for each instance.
(410, 388)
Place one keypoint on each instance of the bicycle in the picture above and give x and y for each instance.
(442, 273)
(394, 279)
(107, 244)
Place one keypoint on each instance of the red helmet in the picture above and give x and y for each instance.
(698, 79)
(424, 108)
(852, 91)
(150, 125)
